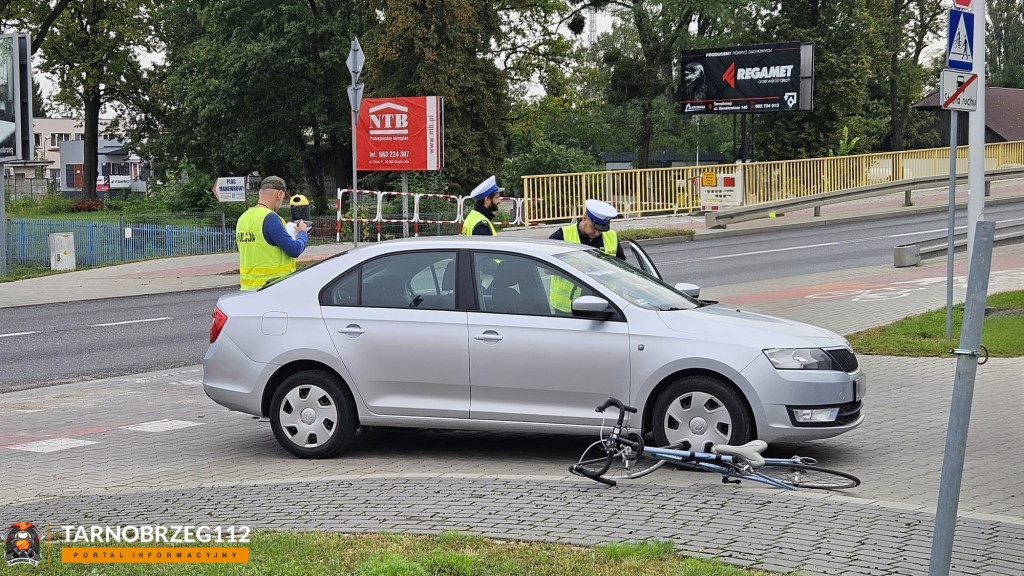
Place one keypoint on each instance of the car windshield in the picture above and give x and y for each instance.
(626, 281)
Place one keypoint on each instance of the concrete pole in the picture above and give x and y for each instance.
(976, 154)
(405, 204)
(960, 407)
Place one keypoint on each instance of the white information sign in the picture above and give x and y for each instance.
(230, 189)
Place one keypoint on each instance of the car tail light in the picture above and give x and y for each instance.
(219, 319)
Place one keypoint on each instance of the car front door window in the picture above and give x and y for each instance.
(518, 285)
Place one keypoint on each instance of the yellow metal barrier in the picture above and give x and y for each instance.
(560, 197)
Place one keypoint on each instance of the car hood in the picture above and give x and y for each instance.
(721, 322)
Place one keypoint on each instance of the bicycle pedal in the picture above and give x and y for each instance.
(730, 481)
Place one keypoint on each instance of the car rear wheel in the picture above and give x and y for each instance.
(697, 412)
(312, 415)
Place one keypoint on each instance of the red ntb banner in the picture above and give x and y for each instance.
(400, 134)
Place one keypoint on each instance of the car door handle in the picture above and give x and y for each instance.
(488, 336)
(351, 330)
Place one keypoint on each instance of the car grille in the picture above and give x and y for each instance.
(846, 360)
(848, 413)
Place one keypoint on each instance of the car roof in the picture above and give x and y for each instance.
(508, 243)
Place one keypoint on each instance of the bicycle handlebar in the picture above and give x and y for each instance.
(612, 401)
(577, 469)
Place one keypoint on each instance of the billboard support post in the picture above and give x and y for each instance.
(3, 224)
(15, 117)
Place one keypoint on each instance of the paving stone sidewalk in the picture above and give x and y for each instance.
(741, 526)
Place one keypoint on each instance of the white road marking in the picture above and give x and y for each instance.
(821, 245)
(52, 445)
(160, 425)
(18, 334)
(131, 322)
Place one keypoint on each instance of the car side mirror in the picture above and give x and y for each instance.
(592, 307)
(691, 290)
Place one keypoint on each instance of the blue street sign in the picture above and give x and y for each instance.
(960, 41)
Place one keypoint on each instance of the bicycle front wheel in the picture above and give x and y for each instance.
(626, 463)
(800, 475)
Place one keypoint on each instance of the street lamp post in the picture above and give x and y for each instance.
(355, 96)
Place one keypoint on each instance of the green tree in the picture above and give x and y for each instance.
(32, 16)
(445, 48)
(254, 85)
(847, 54)
(641, 53)
(908, 27)
(39, 108)
(92, 52)
(1005, 39)
(545, 158)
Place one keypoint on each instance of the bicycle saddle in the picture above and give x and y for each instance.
(749, 452)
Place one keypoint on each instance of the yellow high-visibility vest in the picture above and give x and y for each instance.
(562, 292)
(471, 221)
(258, 260)
(571, 233)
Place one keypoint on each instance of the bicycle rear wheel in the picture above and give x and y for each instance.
(800, 475)
(626, 463)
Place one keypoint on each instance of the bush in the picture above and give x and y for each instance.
(54, 204)
(188, 190)
(137, 203)
(545, 157)
(87, 206)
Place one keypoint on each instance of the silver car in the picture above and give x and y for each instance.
(482, 333)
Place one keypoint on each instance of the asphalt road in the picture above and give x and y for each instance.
(789, 252)
(57, 343)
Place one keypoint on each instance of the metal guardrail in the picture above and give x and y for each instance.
(911, 254)
(763, 210)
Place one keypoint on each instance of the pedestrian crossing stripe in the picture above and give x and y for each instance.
(52, 445)
(160, 425)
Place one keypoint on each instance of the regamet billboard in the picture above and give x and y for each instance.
(747, 79)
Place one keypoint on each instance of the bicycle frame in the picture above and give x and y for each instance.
(727, 466)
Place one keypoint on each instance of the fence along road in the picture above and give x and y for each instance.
(560, 197)
(131, 237)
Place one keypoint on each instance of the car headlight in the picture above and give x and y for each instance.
(799, 359)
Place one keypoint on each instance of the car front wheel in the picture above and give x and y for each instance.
(697, 412)
(312, 415)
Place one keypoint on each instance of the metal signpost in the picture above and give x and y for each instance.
(963, 395)
(355, 97)
(976, 141)
(958, 91)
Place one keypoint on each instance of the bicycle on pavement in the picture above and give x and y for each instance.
(623, 455)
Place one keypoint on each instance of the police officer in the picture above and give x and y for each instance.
(487, 201)
(594, 229)
(265, 248)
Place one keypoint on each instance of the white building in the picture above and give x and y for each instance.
(117, 168)
(48, 133)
